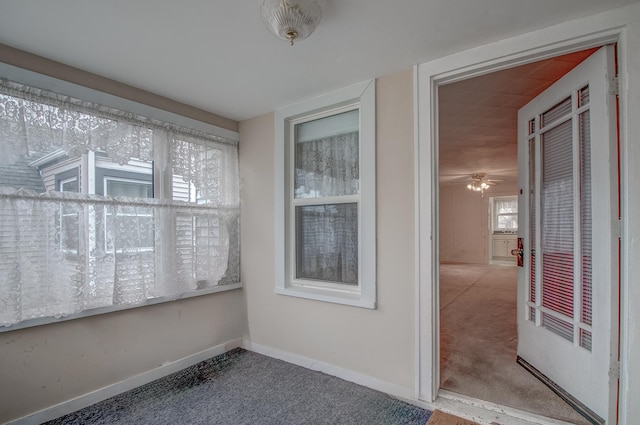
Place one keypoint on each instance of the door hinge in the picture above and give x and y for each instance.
(614, 371)
(614, 86)
(617, 229)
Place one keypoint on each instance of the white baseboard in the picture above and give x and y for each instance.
(93, 397)
(348, 375)
(480, 411)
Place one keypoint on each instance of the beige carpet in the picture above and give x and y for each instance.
(440, 418)
(479, 342)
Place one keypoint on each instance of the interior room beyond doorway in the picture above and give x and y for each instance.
(478, 336)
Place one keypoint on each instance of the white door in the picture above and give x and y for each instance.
(568, 287)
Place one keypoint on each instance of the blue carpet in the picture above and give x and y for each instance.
(241, 387)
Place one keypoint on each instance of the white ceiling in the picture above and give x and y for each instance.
(218, 56)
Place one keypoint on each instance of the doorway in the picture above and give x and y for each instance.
(477, 316)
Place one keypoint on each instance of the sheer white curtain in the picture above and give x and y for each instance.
(64, 252)
(506, 205)
(327, 245)
(35, 122)
(327, 234)
(327, 167)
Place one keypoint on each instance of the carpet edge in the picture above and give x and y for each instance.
(88, 399)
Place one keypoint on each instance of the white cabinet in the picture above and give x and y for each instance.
(501, 246)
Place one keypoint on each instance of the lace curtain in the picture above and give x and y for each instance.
(506, 205)
(327, 243)
(327, 234)
(65, 249)
(327, 167)
(37, 122)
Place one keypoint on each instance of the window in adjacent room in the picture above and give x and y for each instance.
(326, 248)
(504, 213)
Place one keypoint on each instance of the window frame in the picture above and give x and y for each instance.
(359, 96)
(495, 215)
(61, 178)
(161, 182)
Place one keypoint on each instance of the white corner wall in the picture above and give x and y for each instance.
(374, 343)
(464, 222)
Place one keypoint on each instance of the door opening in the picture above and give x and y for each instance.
(477, 134)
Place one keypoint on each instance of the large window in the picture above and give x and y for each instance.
(325, 162)
(101, 209)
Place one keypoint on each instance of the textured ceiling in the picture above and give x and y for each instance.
(218, 56)
(479, 118)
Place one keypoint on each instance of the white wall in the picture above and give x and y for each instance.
(464, 221)
(376, 343)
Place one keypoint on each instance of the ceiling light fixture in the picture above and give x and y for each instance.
(478, 184)
(291, 20)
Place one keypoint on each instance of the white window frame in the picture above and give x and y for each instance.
(358, 96)
(60, 188)
(107, 179)
(61, 183)
(494, 215)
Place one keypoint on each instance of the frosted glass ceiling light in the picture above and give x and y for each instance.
(291, 19)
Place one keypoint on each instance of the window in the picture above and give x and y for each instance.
(69, 185)
(127, 187)
(325, 207)
(504, 213)
(98, 208)
(68, 182)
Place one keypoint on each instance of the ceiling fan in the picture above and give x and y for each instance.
(479, 183)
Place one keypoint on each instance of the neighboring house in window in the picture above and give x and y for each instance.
(95, 173)
(22, 174)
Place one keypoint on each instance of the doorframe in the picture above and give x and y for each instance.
(618, 26)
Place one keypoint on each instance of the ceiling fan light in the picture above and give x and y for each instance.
(478, 184)
(291, 20)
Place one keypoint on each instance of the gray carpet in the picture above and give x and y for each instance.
(241, 387)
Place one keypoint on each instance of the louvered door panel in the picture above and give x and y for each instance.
(557, 227)
(566, 309)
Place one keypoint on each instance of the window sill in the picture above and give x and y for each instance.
(114, 308)
(354, 299)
